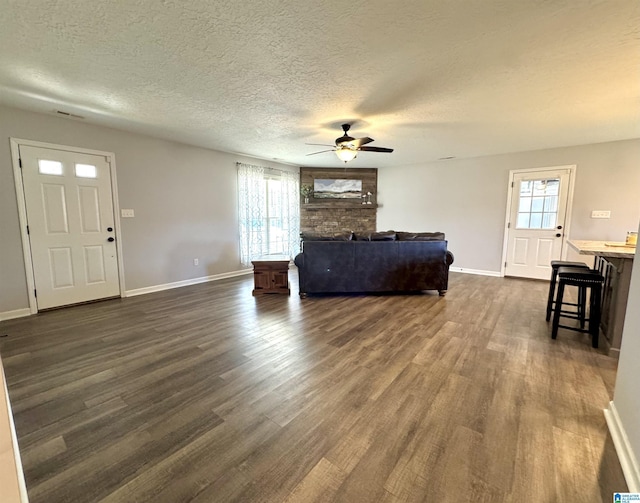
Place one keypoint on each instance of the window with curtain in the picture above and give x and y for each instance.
(269, 212)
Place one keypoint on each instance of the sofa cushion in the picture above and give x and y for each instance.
(420, 236)
(342, 236)
(383, 236)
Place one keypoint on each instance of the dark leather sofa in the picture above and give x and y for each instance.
(385, 264)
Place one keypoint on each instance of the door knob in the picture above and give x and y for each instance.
(558, 235)
(111, 240)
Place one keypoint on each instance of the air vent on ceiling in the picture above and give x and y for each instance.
(447, 158)
(67, 114)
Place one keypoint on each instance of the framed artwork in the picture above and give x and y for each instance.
(337, 188)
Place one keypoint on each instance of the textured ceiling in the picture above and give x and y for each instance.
(430, 78)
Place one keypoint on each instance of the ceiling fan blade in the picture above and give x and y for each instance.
(319, 144)
(322, 152)
(375, 149)
(358, 142)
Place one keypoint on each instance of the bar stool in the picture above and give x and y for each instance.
(583, 279)
(555, 265)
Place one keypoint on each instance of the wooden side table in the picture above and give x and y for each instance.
(271, 275)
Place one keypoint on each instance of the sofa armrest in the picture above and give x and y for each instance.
(449, 258)
(299, 260)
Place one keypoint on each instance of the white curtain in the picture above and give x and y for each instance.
(290, 211)
(254, 216)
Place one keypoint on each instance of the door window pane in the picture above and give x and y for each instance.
(525, 204)
(549, 221)
(523, 221)
(86, 171)
(537, 204)
(551, 204)
(539, 187)
(553, 187)
(536, 221)
(526, 189)
(49, 167)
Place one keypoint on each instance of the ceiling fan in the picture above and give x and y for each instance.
(347, 147)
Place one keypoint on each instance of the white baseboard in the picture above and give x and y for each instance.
(18, 313)
(479, 272)
(628, 460)
(186, 282)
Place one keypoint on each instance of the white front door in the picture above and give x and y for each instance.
(70, 217)
(537, 220)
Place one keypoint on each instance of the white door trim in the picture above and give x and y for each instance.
(512, 174)
(22, 209)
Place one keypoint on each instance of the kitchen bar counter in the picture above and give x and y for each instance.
(615, 263)
(602, 249)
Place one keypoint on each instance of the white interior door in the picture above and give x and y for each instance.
(537, 220)
(70, 217)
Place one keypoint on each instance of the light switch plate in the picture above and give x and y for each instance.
(600, 214)
(127, 213)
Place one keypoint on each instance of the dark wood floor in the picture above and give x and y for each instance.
(207, 394)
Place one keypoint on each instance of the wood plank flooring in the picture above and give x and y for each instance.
(208, 394)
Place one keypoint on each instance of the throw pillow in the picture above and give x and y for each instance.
(383, 236)
(420, 236)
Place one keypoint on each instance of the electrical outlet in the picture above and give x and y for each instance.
(600, 214)
(196, 261)
(127, 213)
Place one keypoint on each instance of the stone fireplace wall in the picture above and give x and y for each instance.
(331, 216)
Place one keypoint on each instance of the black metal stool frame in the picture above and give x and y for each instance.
(581, 305)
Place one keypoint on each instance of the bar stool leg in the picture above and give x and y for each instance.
(552, 291)
(582, 305)
(594, 315)
(556, 311)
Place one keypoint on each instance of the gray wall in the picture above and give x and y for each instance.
(626, 397)
(467, 198)
(184, 200)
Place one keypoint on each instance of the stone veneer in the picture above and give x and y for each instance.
(335, 220)
(331, 216)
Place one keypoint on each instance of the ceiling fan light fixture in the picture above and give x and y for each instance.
(347, 147)
(346, 154)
